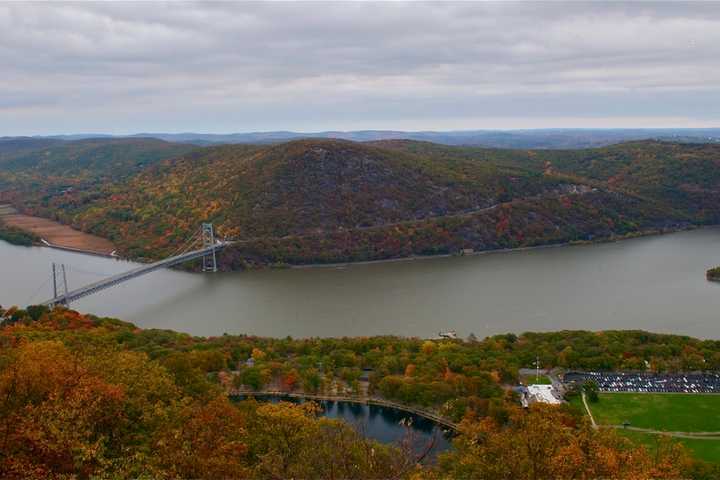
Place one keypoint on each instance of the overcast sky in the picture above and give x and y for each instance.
(238, 67)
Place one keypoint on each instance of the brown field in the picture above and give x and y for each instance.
(55, 233)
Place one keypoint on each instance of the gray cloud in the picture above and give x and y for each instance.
(126, 67)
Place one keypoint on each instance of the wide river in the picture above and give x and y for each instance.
(652, 283)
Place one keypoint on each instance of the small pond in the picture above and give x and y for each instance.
(384, 424)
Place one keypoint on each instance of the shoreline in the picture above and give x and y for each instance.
(342, 265)
(53, 234)
(45, 243)
(413, 258)
(650, 233)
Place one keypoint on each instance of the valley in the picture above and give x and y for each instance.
(359, 240)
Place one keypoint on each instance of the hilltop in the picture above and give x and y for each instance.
(298, 188)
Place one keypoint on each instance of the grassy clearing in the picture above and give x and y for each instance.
(669, 412)
(576, 401)
(662, 411)
(708, 450)
(532, 380)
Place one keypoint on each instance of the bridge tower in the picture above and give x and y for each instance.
(60, 277)
(208, 239)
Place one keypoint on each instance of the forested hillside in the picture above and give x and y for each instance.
(15, 146)
(675, 175)
(322, 201)
(100, 398)
(33, 170)
(681, 176)
(84, 159)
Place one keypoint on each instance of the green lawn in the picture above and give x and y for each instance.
(660, 411)
(531, 380)
(708, 450)
(576, 401)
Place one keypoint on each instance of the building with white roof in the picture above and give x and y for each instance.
(543, 394)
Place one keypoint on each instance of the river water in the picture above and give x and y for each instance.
(652, 283)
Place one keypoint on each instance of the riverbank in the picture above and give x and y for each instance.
(18, 237)
(629, 236)
(713, 275)
(52, 234)
(44, 243)
(56, 235)
(593, 287)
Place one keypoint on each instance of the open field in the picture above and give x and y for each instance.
(674, 412)
(55, 233)
(708, 450)
(671, 412)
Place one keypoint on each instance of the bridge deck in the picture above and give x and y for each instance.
(135, 272)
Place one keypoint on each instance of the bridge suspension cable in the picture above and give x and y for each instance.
(185, 247)
(208, 239)
(207, 253)
(35, 294)
(73, 268)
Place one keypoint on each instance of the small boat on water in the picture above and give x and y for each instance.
(449, 334)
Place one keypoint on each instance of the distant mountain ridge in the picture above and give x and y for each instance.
(555, 138)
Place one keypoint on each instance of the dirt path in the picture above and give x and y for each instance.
(587, 409)
(56, 234)
(690, 435)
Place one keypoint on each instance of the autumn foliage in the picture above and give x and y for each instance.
(74, 406)
(548, 443)
(322, 201)
(83, 397)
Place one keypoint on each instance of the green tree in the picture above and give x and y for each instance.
(591, 389)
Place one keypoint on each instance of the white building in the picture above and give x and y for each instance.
(543, 394)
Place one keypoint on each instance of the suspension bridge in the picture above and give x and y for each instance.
(209, 246)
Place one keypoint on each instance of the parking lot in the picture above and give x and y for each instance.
(648, 382)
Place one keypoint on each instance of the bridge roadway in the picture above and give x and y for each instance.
(135, 272)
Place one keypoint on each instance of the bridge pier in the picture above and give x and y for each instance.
(208, 239)
(207, 253)
(60, 276)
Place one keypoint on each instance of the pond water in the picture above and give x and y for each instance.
(651, 283)
(386, 425)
